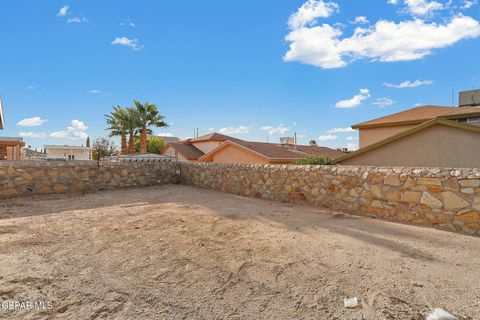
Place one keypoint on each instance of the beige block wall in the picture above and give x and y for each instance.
(371, 135)
(232, 154)
(436, 146)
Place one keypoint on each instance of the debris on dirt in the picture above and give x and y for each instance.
(440, 314)
(350, 303)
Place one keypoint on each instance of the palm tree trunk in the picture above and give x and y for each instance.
(131, 142)
(143, 141)
(124, 142)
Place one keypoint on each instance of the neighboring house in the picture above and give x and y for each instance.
(427, 136)
(68, 153)
(168, 140)
(10, 148)
(219, 148)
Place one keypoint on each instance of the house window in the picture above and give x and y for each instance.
(462, 120)
(474, 119)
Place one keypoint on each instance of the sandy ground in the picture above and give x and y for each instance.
(179, 252)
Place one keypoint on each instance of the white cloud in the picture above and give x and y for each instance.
(327, 137)
(310, 11)
(235, 130)
(275, 130)
(352, 146)
(352, 138)
(469, 3)
(386, 41)
(77, 130)
(165, 134)
(63, 11)
(211, 129)
(409, 84)
(340, 130)
(31, 122)
(422, 7)
(131, 43)
(30, 88)
(360, 20)
(94, 91)
(128, 24)
(394, 2)
(355, 101)
(77, 20)
(384, 102)
(31, 134)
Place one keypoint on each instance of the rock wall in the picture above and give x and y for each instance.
(40, 177)
(444, 198)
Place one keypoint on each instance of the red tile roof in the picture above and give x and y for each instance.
(187, 150)
(462, 111)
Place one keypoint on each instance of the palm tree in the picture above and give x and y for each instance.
(117, 121)
(147, 116)
(132, 123)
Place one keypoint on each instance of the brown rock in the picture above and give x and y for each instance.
(377, 192)
(393, 196)
(435, 189)
(430, 182)
(59, 188)
(411, 196)
(472, 183)
(471, 216)
(476, 203)
(451, 201)
(430, 201)
(392, 180)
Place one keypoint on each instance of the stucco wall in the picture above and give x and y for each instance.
(444, 198)
(436, 146)
(231, 154)
(42, 177)
(63, 153)
(207, 146)
(371, 135)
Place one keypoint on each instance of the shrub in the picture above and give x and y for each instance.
(314, 161)
(154, 144)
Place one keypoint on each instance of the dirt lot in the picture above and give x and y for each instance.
(179, 252)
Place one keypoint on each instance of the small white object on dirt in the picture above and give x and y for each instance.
(440, 314)
(350, 302)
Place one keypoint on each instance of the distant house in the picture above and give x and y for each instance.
(168, 140)
(428, 136)
(10, 148)
(68, 153)
(219, 148)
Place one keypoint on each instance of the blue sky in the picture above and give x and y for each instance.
(243, 68)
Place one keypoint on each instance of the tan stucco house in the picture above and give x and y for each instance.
(428, 136)
(68, 153)
(219, 148)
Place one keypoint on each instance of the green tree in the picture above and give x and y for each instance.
(87, 143)
(147, 116)
(103, 147)
(313, 143)
(316, 161)
(154, 144)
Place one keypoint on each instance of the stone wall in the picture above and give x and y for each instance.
(444, 198)
(41, 177)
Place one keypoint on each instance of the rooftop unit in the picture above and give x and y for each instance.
(287, 141)
(469, 98)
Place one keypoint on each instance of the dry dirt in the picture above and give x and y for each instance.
(178, 252)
